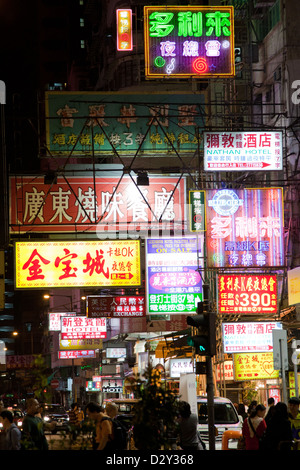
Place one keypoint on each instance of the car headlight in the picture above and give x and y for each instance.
(46, 418)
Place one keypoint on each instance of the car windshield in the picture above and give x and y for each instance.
(54, 409)
(223, 413)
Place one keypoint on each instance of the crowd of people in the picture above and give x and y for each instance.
(274, 428)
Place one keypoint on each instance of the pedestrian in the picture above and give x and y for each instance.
(254, 427)
(294, 417)
(33, 428)
(104, 431)
(270, 411)
(74, 415)
(241, 411)
(278, 435)
(189, 438)
(252, 407)
(12, 432)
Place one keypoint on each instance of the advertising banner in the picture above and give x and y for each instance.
(245, 228)
(104, 205)
(174, 282)
(254, 366)
(80, 344)
(243, 151)
(112, 263)
(245, 294)
(197, 211)
(189, 41)
(240, 337)
(82, 354)
(55, 319)
(83, 328)
(110, 306)
(100, 123)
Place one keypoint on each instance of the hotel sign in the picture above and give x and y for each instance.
(242, 337)
(189, 41)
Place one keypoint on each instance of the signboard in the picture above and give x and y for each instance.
(254, 366)
(197, 211)
(124, 306)
(82, 328)
(189, 41)
(124, 30)
(225, 371)
(115, 353)
(105, 205)
(174, 282)
(82, 354)
(293, 276)
(79, 344)
(243, 151)
(181, 366)
(112, 385)
(46, 264)
(255, 293)
(244, 337)
(55, 319)
(150, 124)
(245, 227)
(280, 350)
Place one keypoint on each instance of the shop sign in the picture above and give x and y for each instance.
(110, 263)
(174, 282)
(239, 337)
(243, 151)
(121, 306)
(245, 228)
(197, 211)
(245, 294)
(79, 344)
(55, 319)
(83, 328)
(189, 41)
(254, 366)
(181, 366)
(84, 354)
(124, 29)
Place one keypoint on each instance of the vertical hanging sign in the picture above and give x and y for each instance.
(124, 30)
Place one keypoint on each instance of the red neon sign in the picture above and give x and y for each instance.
(247, 294)
(124, 30)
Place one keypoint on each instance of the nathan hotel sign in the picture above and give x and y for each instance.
(189, 41)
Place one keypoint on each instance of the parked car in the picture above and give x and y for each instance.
(225, 418)
(55, 418)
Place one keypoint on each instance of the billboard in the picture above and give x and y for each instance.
(103, 205)
(254, 366)
(82, 354)
(48, 264)
(247, 293)
(124, 29)
(174, 282)
(293, 277)
(240, 337)
(83, 328)
(243, 151)
(80, 344)
(120, 306)
(189, 41)
(245, 227)
(147, 124)
(197, 211)
(55, 319)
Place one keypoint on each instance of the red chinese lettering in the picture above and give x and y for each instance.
(96, 264)
(67, 262)
(34, 266)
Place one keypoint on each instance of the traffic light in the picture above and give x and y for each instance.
(204, 341)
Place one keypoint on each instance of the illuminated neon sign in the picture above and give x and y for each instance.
(124, 30)
(255, 293)
(245, 227)
(185, 41)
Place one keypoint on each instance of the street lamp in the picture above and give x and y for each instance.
(47, 296)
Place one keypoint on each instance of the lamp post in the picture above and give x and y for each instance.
(70, 297)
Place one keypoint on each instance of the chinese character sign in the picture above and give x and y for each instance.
(189, 41)
(173, 280)
(79, 344)
(47, 264)
(84, 354)
(55, 319)
(124, 30)
(247, 293)
(102, 123)
(245, 228)
(125, 306)
(243, 151)
(83, 328)
(105, 205)
(197, 211)
(239, 337)
(254, 366)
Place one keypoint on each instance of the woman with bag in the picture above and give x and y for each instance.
(254, 427)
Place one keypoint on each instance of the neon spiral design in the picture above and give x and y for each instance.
(200, 65)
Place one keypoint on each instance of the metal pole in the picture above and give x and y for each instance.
(284, 394)
(210, 403)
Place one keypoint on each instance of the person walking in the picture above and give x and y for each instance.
(278, 435)
(33, 428)
(12, 432)
(270, 410)
(188, 435)
(294, 417)
(254, 427)
(104, 431)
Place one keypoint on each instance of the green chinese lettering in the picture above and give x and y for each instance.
(217, 24)
(159, 24)
(189, 24)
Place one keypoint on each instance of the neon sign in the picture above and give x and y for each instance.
(185, 41)
(247, 293)
(245, 227)
(124, 30)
